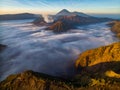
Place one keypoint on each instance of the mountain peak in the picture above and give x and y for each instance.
(63, 12)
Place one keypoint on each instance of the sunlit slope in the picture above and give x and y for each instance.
(99, 55)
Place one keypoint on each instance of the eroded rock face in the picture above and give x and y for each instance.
(30, 80)
(60, 26)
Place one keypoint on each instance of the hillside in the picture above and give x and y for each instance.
(99, 55)
(97, 69)
(100, 59)
(30, 80)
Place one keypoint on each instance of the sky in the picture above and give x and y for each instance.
(53, 6)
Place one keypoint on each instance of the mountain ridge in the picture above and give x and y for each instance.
(18, 16)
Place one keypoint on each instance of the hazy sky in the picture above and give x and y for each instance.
(53, 6)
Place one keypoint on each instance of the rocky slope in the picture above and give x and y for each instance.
(67, 22)
(100, 59)
(60, 26)
(39, 21)
(98, 69)
(30, 80)
(65, 12)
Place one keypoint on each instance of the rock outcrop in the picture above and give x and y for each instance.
(39, 21)
(60, 26)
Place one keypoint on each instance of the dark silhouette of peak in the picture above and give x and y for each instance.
(63, 12)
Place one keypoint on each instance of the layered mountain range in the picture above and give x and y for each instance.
(71, 20)
(96, 69)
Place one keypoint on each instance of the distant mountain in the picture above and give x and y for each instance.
(63, 12)
(18, 16)
(71, 22)
(65, 20)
